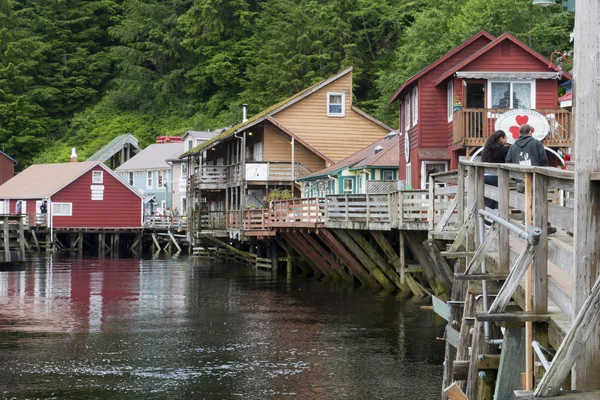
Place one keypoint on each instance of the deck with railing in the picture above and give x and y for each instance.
(472, 126)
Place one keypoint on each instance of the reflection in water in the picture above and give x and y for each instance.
(179, 329)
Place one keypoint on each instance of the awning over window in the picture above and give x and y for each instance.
(506, 75)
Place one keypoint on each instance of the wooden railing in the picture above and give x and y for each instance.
(213, 220)
(297, 211)
(165, 222)
(413, 210)
(472, 126)
(361, 209)
(229, 174)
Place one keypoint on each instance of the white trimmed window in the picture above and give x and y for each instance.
(335, 104)
(450, 98)
(149, 180)
(131, 178)
(408, 179)
(62, 209)
(97, 176)
(515, 94)
(160, 178)
(359, 185)
(407, 112)
(400, 125)
(415, 105)
(184, 171)
(387, 175)
(348, 185)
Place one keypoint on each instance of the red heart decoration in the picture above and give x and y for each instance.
(514, 130)
(522, 119)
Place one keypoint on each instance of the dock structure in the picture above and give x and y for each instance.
(12, 239)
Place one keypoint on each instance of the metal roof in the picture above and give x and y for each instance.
(154, 156)
(114, 146)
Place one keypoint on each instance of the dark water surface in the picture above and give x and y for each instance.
(125, 329)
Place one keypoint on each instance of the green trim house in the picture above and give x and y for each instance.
(357, 173)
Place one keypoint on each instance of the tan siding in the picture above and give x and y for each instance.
(336, 137)
(277, 147)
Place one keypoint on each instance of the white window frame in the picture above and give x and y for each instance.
(351, 185)
(329, 95)
(530, 81)
(400, 124)
(407, 112)
(383, 173)
(424, 180)
(160, 179)
(97, 176)
(58, 209)
(149, 179)
(131, 178)
(408, 178)
(450, 100)
(415, 105)
(359, 183)
(184, 171)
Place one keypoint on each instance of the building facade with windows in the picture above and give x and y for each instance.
(77, 195)
(305, 133)
(362, 172)
(150, 172)
(449, 108)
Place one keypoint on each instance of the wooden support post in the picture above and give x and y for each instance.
(35, 239)
(364, 259)
(80, 241)
(482, 250)
(407, 282)
(479, 196)
(511, 363)
(72, 242)
(477, 340)
(6, 239)
(446, 272)
(401, 256)
(528, 290)
(303, 247)
(291, 240)
(174, 241)
(115, 247)
(22, 241)
(453, 392)
(415, 242)
(460, 195)
(324, 253)
(135, 243)
(155, 241)
(100, 244)
(503, 244)
(347, 258)
(380, 262)
(464, 342)
(586, 102)
(573, 345)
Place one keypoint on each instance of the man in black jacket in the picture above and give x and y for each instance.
(527, 150)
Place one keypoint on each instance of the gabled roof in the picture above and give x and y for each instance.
(490, 46)
(566, 97)
(9, 157)
(366, 155)
(154, 156)
(43, 180)
(440, 60)
(114, 146)
(205, 135)
(274, 109)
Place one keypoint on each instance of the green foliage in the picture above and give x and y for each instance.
(77, 73)
(278, 194)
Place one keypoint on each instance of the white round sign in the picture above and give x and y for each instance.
(511, 121)
(407, 146)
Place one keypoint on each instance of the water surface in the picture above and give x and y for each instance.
(183, 328)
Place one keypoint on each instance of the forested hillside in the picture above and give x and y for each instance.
(80, 72)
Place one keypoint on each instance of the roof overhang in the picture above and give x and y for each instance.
(507, 75)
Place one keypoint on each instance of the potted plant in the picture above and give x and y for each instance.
(457, 103)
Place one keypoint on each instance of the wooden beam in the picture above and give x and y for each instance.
(381, 263)
(443, 267)
(347, 258)
(155, 240)
(408, 282)
(364, 259)
(529, 378)
(6, 239)
(482, 250)
(453, 392)
(564, 395)
(512, 316)
(324, 253)
(512, 363)
(304, 246)
(174, 241)
(416, 247)
(35, 240)
(480, 277)
(586, 102)
(293, 242)
(503, 244)
(574, 344)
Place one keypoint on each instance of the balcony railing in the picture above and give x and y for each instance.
(472, 126)
(256, 171)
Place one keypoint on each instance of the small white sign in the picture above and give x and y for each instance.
(511, 121)
(257, 172)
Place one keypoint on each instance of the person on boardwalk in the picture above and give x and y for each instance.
(530, 152)
(527, 150)
(494, 151)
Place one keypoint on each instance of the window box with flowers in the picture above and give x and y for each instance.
(457, 104)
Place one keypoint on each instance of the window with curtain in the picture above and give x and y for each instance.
(450, 100)
(415, 104)
(509, 95)
(407, 112)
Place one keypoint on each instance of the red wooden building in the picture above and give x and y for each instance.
(7, 167)
(78, 195)
(449, 108)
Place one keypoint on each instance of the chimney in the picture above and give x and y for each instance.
(244, 112)
(73, 155)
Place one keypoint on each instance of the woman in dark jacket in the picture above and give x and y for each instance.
(494, 151)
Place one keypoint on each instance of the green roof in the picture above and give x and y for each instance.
(265, 113)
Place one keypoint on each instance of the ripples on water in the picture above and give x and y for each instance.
(125, 329)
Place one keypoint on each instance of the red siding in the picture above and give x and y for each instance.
(7, 168)
(121, 208)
